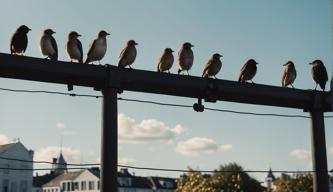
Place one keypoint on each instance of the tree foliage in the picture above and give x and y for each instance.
(229, 178)
(295, 183)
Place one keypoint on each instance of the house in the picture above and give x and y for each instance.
(162, 184)
(18, 176)
(59, 166)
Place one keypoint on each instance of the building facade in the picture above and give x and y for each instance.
(18, 176)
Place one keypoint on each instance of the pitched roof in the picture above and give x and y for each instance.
(39, 181)
(65, 176)
(163, 183)
(5, 147)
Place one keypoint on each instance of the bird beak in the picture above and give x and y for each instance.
(192, 45)
(79, 35)
(29, 29)
(53, 32)
(107, 33)
(285, 64)
(136, 43)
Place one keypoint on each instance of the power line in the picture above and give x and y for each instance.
(160, 103)
(82, 166)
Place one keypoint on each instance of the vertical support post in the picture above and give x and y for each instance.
(319, 157)
(109, 141)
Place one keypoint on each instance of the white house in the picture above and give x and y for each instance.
(12, 180)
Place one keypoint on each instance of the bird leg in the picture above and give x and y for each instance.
(215, 77)
(292, 86)
(316, 87)
(130, 67)
(188, 74)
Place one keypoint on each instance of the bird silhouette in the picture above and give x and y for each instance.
(128, 55)
(19, 40)
(48, 45)
(74, 47)
(248, 71)
(185, 58)
(213, 66)
(98, 48)
(319, 73)
(166, 61)
(289, 74)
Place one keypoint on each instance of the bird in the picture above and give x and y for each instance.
(128, 55)
(213, 66)
(74, 47)
(319, 73)
(289, 74)
(19, 40)
(166, 61)
(185, 58)
(248, 71)
(98, 48)
(48, 45)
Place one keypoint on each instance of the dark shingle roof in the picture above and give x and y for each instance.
(65, 176)
(39, 181)
(5, 147)
(163, 183)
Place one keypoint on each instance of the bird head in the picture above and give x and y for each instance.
(73, 35)
(289, 63)
(187, 45)
(23, 29)
(103, 34)
(316, 62)
(131, 43)
(168, 50)
(49, 32)
(217, 56)
(252, 61)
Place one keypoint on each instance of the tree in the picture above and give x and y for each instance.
(229, 178)
(295, 183)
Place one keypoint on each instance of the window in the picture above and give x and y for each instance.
(63, 186)
(5, 186)
(83, 185)
(98, 185)
(75, 186)
(91, 185)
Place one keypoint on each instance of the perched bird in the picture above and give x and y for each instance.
(319, 74)
(74, 47)
(128, 54)
(19, 41)
(48, 45)
(213, 66)
(166, 61)
(248, 71)
(185, 57)
(289, 74)
(97, 49)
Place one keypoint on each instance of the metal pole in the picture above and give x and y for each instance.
(109, 144)
(319, 157)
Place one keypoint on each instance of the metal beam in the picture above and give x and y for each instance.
(319, 156)
(109, 140)
(97, 76)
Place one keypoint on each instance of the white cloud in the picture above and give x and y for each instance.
(146, 131)
(50, 152)
(301, 154)
(198, 145)
(4, 139)
(60, 125)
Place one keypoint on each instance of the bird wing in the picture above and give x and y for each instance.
(92, 47)
(123, 52)
(242, 71)
(12, 42)
(55, 47)
(207, 66)
(284, 76)
(79, 46)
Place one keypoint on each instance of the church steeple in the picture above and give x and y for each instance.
(61, 164)
(270, 179)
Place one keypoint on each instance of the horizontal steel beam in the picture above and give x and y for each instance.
(99, 76)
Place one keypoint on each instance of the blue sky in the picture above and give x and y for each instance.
(271, 32)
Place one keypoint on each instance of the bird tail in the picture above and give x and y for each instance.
(120, 65)
(54, 57)
(179, 71)
(87, 61)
